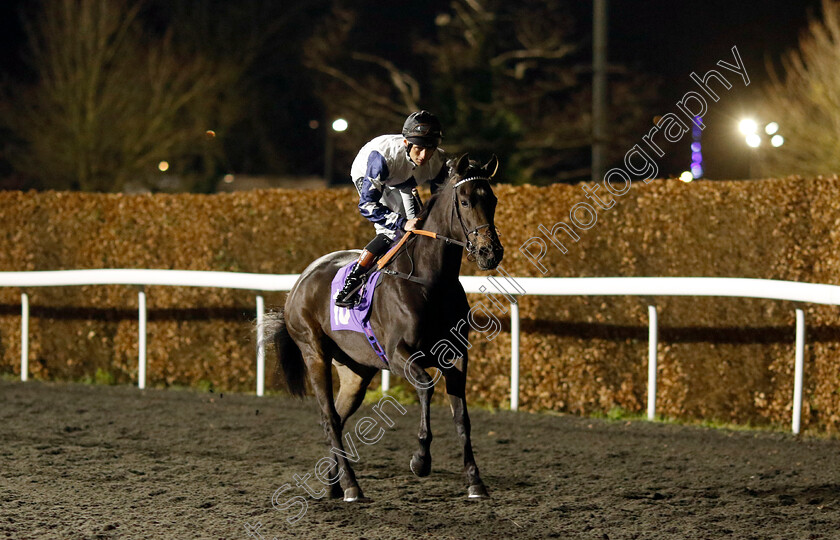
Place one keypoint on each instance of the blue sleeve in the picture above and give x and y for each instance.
(371, 192)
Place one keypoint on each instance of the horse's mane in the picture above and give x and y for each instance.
(427, 207)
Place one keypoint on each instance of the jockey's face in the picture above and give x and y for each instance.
(420, 154)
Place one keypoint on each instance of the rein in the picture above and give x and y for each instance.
(380, 265)
(437, 236)
(468, 245)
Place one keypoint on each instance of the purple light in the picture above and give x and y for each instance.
(696, 157)
(695, 147)
(696, 170)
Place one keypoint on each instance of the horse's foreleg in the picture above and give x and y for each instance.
(455, 388)
(421, 461)
(320, 378)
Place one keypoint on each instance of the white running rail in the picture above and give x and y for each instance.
(596, 286)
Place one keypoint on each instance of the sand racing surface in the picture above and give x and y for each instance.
(83, 461)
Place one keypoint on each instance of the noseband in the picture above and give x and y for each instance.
(470, 247)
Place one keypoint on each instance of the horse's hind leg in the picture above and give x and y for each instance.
(351, 390)
(320, 378)
(455, 387)
(351, 393)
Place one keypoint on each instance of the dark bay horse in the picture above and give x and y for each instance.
(408, 317)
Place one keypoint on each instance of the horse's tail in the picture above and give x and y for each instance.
(290, 360)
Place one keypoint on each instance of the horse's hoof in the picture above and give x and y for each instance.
(477, 491)
(420, 467)
(353, 494)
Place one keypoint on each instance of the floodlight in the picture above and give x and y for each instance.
(747, 126)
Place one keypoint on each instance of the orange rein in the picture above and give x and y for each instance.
(393, 251)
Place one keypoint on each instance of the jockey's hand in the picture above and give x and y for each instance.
(411, 224)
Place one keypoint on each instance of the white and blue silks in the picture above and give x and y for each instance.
(384, 176)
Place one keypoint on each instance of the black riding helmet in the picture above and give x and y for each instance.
(423, 129)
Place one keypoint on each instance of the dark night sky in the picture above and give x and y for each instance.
(666, 38)
(673, 38)
(11, 36)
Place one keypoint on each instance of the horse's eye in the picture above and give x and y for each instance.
(464, 203)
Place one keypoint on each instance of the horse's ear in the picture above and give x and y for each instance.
(462, 164)
(492, 166)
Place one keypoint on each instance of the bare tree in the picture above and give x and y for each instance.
(506, 72)
(507, 77)
(368, 90)
(805, 101)
(110, 103)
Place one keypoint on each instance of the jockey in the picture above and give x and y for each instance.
(386, 172)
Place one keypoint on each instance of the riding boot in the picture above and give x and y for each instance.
(349, 296)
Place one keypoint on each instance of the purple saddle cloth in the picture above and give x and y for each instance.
(356, 319)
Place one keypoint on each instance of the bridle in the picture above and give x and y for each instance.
(469, 246)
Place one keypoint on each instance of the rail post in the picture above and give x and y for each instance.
(24, 336)
(653, 342)
(141, 338)
(260, 346)
(799, 368)
(514, 356)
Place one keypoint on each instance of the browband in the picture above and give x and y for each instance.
(470, 179)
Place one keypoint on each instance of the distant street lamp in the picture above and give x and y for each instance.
(338, 125)
(749, 128)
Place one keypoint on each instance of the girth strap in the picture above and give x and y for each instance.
(403, 275)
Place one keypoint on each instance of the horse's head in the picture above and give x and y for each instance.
(474, 208)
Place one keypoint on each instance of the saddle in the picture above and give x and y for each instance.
(357, 318)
